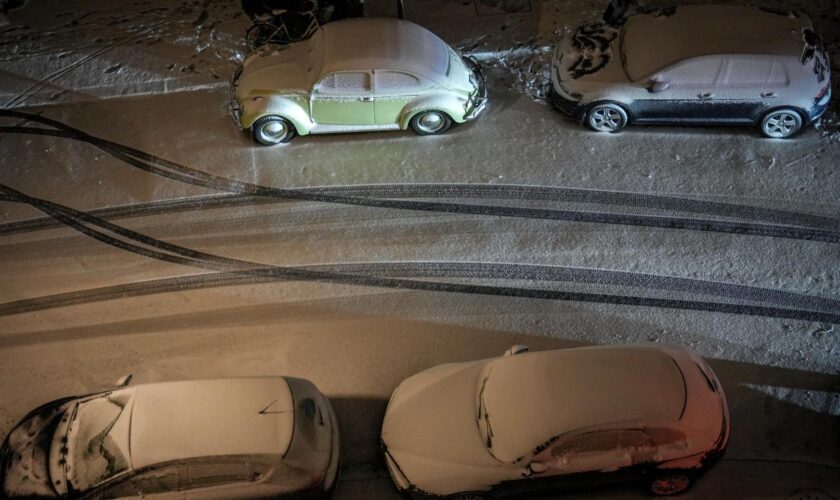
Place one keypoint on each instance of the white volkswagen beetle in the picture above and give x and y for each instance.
(357, 75)
(530, 423)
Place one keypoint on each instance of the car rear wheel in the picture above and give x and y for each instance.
(606, 117)
(670, 482)
(431, 122)
(781, 123)
(271, 130)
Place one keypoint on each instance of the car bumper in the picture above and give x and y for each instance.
(479, 101)
(819, 107)
(564, 105)
(233, 106)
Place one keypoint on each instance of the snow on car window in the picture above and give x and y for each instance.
(752, 71)
(98, 440)
(586, 443)
(698, 71)
(345, 82)
(394, 81)
(211, 474)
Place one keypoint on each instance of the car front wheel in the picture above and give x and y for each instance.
(431, 122)
(781, 123)
(606, 117)
(670, 482)
(271, 130)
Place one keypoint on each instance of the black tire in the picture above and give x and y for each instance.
(670, 482)
(467, 496)
(782, 123)
(606, 117)
(430, 122)
(272, 129)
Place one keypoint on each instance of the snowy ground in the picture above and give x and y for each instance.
(76, 313)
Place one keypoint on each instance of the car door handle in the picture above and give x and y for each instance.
(705, 95)
(768, 94)
(365, 99)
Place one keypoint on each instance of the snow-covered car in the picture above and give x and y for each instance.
(357, 75)
(231, 438)
(534, 423)
(694, 64)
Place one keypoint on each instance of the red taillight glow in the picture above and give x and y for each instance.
(823, 91)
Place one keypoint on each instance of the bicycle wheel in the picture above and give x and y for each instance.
(259, 34)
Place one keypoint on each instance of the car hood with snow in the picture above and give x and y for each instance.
(72, 446)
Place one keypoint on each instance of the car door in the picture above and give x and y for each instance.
(749, 85)
(393, 90)
(343, 98)
(682, 93)
(584, 460)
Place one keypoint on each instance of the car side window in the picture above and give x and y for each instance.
(344, 83)
(590, 442)
(395, 82)
(753, 72)
(203, 475)
(697, 72)
(587, 445)
(158, 480)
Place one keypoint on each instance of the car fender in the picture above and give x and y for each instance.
(450, 103)
(693, 462)
(292, 107)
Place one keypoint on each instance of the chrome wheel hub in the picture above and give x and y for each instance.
(782, 124)
(431, 122)
(606, 119)
(671, 484)
(274, 130)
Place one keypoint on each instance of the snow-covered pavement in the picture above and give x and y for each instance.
(713, 238)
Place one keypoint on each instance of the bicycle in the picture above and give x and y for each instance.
(283, 26)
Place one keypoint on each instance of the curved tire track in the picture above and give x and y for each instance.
(347, 274)
(825, 230)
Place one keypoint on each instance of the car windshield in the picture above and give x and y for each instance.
(97, 440)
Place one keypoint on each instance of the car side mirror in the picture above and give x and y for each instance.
(537, 467)
(123, 381)
(517, 349)
(657, 85)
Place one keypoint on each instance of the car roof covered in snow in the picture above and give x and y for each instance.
(531, 398)
(654, 41)
(383, 43)
(205, 418)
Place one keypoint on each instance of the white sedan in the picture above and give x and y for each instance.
(530, 423)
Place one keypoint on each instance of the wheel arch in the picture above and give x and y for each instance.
(454, 107)
(288, 107)
(628, 108)
(770, 109)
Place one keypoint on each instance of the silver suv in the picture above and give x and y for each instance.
(699, 64)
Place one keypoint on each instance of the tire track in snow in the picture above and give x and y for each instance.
(431, 269)
(181, 173)
(516, 192)
(168, 252)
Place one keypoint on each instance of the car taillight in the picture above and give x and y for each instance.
(823, 91)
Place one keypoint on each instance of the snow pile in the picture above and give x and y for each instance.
(522, 70)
